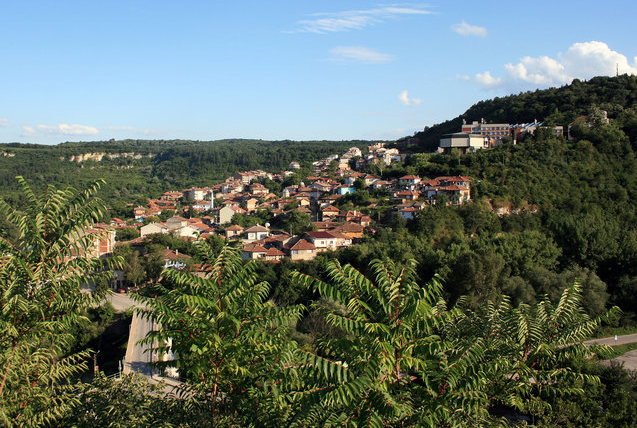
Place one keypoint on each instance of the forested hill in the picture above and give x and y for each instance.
(555, 106)
(143, 168)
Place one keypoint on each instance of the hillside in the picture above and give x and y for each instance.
(555, 106)
(545, 211)
(138, 169)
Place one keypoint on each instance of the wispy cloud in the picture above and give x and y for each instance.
(332, 22)
(404, 98)
(581, 60)
(465, 29)
(4, 122)
(59, 129)
(359, 54)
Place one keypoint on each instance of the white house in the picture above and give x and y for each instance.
(256, 233)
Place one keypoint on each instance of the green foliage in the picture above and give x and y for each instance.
(128, 402)
(261, 217)
(560, 205)
(403, 358)
(228, 338)
(154, 262)
(43, 268)
(165, 240)
(297, 222)
(134, 270)
(612, 403)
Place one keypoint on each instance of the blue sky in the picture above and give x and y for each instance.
(299, 69)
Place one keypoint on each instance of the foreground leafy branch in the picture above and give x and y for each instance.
(404, 358)
(228, 339)
(43, 269)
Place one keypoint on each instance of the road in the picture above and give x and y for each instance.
(621, 340)
(139, 355)
(629, 359)
(121, 301)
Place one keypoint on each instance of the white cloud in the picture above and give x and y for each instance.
(541, 71)
(487, 80)
(4, 122)
(404, 98)
(356, 19)
(594, 59)
(465, 29)
(59, 129)
(581, 60)
(359, 54)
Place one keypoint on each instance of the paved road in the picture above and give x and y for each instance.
(621, 340)
(138, 355)
(121, 301)
(629, 359)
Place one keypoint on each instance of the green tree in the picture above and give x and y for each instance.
(126, 234)
(42, 274)
(229, 340)
(404, 359)
(127, 402)
(297, 222)
(133, 269)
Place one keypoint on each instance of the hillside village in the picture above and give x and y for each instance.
(264, 296)
(237, 210)
(214, 210)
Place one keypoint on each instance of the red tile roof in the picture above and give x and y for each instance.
(302, 244)
(320, 235)
(257, 228)
(254, 248)
(274, 252)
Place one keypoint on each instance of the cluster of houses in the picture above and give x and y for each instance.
(212, 208)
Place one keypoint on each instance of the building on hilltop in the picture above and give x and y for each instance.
(493, 132)
(462, 141)
(482, 135)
